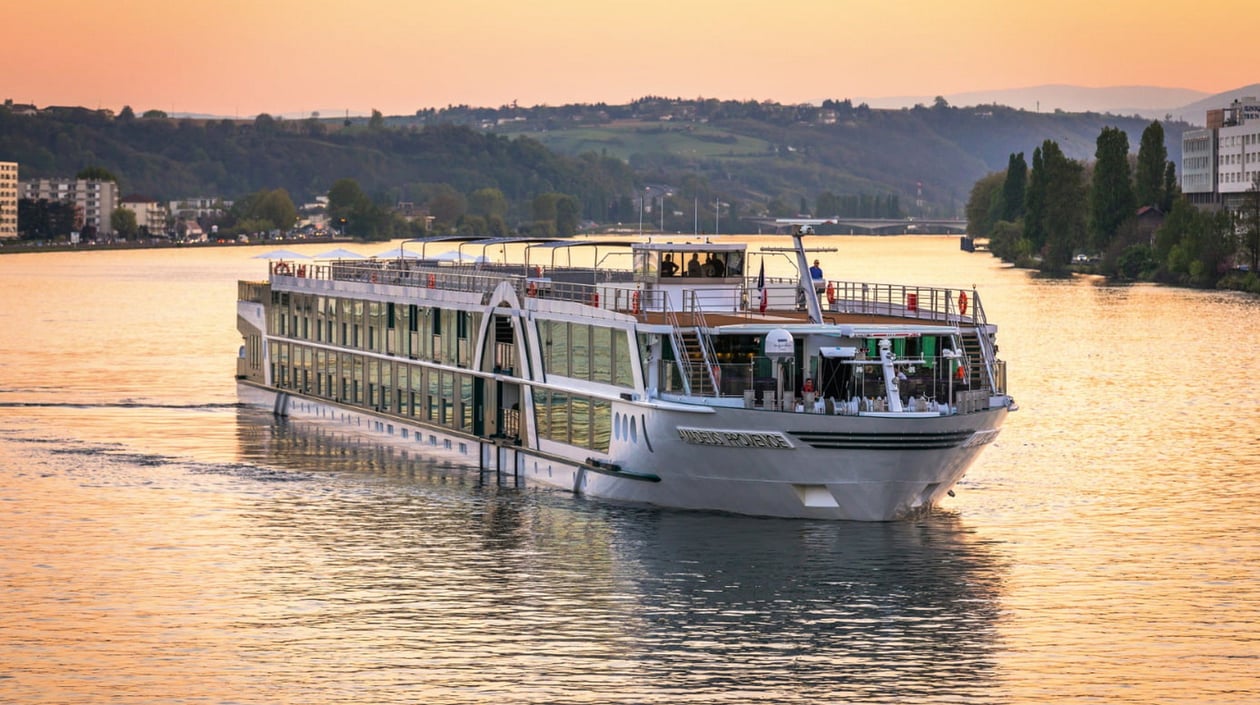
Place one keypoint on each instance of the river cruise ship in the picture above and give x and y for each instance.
(671, 373)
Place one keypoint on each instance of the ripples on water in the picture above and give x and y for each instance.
(161, 545)
(322, 569)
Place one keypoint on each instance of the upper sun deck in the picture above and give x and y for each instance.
(716, 292)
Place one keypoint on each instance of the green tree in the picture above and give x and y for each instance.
(1035, 203)
(44, 219)
(1196, 245)
(1014, 188)
(377, 121)
(123, 222)
(1249, 225)
(344, 196)
(354, 213)
(1149, 177)
(265, 124)
(568, 215)
(446, 205)
(980, 206)
(1063, 220)
(487, 203)
(1111, 200)
(97, 173)
(1172, 190)
(276, 208)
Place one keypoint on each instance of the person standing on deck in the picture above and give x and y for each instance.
(694, 269)
(668, 268)
(815, 272)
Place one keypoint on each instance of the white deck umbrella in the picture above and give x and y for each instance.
(282, 254)
(399, 253)
(340, 253)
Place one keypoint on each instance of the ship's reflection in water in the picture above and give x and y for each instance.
(430, 580)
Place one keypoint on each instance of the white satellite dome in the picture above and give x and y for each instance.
(779, 343)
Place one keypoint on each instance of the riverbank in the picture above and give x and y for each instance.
(21, 246)
(1240, 280)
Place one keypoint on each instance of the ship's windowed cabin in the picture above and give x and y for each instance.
(696, 260)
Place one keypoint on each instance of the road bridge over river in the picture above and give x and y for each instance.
(884, 226)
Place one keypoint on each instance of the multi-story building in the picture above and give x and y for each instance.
(150, 215)
(199, 207)
(1222, 161)
(8, 200)
(94, 201)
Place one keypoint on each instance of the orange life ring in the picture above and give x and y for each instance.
(634, 302)
(532, 289)
(432, 281)
(962, 303)
(282, 269)
(831, 293)
(961, 372)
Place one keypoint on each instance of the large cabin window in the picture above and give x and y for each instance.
(448, 399)
(580, 350)
(622, 363)
(601, 425)
(601, 354)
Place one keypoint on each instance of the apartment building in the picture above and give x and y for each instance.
(93, 200)
(8, 200)
(150, 215)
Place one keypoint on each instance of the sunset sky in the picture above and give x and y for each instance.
(243, 57)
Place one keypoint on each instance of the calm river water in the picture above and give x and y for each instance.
(158, 544)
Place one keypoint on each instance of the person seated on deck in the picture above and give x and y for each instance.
(694, 268)
(668, 268)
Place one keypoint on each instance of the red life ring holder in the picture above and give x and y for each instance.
(532, 289)
(301, 270)
(634, 302)
(831, 293)
(282, 269)
(595, 299)
(432, 281)
(962, 303)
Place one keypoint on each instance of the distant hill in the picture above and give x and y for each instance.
(1151, 102)
(758, 153)
(758, 157)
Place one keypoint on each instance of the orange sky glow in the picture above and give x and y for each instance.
(285, 57)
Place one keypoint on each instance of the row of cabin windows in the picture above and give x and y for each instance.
(407, 330)
(443, 397)
(588, 352)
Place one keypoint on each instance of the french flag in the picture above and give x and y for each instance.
(761, 285)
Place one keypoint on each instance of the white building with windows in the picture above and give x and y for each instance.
(150, 215)
(94, 201)
(8, 200)
(1221, 162)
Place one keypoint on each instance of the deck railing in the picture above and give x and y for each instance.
(617, 290)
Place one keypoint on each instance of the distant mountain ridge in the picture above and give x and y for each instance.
(1152, 102)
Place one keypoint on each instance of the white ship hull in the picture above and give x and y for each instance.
(728, 460)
